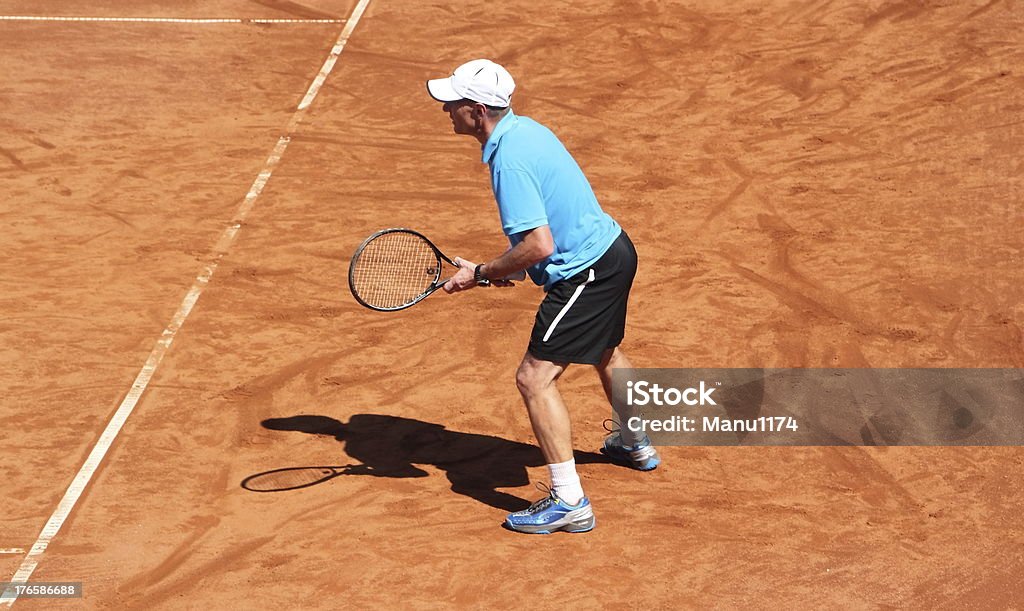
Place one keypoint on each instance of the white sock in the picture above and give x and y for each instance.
(566, 482)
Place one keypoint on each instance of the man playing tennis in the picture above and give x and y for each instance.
(567, 243)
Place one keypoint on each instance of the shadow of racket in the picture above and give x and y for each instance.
(292, 478)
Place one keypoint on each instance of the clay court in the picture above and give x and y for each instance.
(809, 184)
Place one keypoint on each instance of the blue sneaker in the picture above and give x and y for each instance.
(642, 457)
(551, 514)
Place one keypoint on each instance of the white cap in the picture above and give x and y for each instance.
(480, 80)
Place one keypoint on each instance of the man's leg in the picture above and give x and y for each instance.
(613, 358)
(567, 508)
(536, 380)
(629, 447)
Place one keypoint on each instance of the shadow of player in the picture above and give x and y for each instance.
(389, 446)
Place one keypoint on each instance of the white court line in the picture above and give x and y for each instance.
(92, 463)
(11, 550)
(164, 19)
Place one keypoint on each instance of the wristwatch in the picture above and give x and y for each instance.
(478, 277)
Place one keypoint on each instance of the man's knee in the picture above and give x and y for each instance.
(527, 380)
(533, 375)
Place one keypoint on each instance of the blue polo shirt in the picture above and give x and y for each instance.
(537, 182)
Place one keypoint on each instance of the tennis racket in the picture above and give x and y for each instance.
(395, 269)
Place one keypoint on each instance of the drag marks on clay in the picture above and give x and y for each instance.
(114, 215)
(897, 11)
(42, 143)
(261, 389)
(161, 585)
(782, 236)
(14, 159)
(803, 12)
(294, 8)
(804, 305)
(163, 344)
(308, 316)
(981, 10)
(11, 129)
(821, 87)
(357, 136)
(998, 586)
(576, 109)
(199, 526)
(262, 396)
(814, 301)
(746, 178)
(858, 472)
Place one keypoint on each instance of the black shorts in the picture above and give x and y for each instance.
(584, 315)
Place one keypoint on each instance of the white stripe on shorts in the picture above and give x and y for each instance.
(572, 300)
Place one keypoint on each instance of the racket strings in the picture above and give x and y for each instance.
(394, 269)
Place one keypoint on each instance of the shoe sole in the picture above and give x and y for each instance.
(579, 521)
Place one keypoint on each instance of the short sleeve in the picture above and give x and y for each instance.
(520, 201)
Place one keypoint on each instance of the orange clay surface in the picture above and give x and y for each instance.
(809, 184)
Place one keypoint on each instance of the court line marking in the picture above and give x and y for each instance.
(165, 19)
(163, 344)
(11, 550)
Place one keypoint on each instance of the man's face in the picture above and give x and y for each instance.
(462, 116)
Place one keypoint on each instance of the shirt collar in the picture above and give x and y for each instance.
(507, 123)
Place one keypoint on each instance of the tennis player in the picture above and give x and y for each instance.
(584, 260)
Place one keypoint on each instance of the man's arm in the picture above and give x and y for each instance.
(536, 245)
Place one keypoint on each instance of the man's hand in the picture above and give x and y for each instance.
(463, 279)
